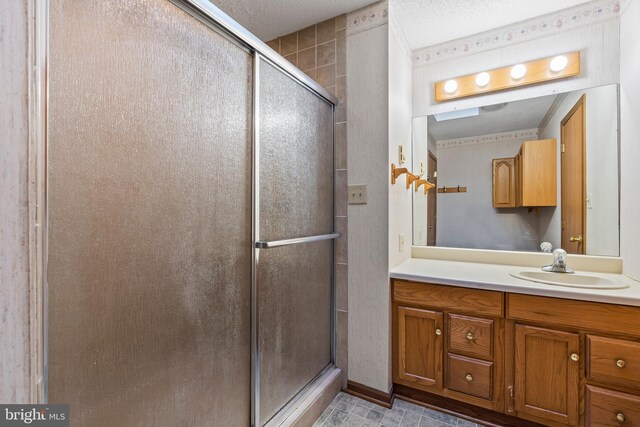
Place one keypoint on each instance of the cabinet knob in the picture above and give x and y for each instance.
(620, 417)
(438, 331)
(621, 363)
(469, 336)
(469, 377)
(575, 357)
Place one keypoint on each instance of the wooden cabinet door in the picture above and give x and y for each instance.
(420, 349)
(547, 374)
(504, 185)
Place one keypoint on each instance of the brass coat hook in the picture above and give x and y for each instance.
(396, 172)
(427, 185)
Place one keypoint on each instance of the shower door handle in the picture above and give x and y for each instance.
(263, 244)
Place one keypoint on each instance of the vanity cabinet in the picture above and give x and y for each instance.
(547, 374)
(446, 341)
(529, 179)
(543, 360)
(420, 346)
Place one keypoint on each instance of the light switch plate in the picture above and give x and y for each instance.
(357, 194)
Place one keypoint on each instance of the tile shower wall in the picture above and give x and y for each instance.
(320, 51)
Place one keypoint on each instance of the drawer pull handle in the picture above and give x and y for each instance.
(438, 332)
(470, 336)
(469, 377)
(621, 363)
(620, 417)
(575, 357)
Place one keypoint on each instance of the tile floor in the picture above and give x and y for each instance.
(348, 411)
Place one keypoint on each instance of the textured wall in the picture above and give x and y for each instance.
(630, 132)
(367, 91)
(320, 50)
(458, 214)
(400, 199)
(14, 204)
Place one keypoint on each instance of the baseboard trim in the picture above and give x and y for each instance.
(370, 394)
(463, 410)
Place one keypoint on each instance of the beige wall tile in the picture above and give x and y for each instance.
(341, 95)
(274, 44)
(340, 145)
(289, 44)
(342, 354)
(311, 73)
(307, 38)
(326, 53)
(307, 59)
(341, 22)
(326, 31)
(293, 58)
(342, 287)
(341, 245)
(326, 75)
(341, 193)
(341, 52)
(331, 90)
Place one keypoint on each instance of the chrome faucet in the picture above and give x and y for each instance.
(559, 263)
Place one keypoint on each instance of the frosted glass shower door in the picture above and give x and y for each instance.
(294, 282)
(149, 243)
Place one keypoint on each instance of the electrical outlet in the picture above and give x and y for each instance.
(357, 194)
(401, 240)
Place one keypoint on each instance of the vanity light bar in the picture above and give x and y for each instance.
(526, 73)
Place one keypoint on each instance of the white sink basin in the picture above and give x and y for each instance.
(575, 280)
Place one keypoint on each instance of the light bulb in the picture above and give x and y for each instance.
(482, 79)
(518, 71)
(558, 63)
(450, 86)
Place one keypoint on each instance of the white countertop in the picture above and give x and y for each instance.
(496, 277)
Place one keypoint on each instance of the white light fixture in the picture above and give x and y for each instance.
(558, 63)
(518, 71)
(457, 114)
(450, 86)
(482, 79)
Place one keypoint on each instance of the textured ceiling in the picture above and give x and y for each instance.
(429, 22)
(518, 115)
(269, 19)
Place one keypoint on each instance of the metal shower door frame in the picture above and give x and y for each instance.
(210, 15)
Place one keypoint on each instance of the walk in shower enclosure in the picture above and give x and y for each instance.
(189, 185)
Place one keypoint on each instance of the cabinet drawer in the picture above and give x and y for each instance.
(471, 335)
(612, 408)
(450, 298)
(470, 376)
(613, 361)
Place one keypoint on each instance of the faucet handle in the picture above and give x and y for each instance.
(559, 256)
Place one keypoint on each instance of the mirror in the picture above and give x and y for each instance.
(514, 175)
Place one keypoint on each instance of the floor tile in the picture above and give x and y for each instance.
(324, 416)
(410, 419)
(408, 406)
(336, 418)
(344, 401)
(430, 422)
(347, 410)
(375, 416)
(360, 410)
(393, 417)
(439, 416)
